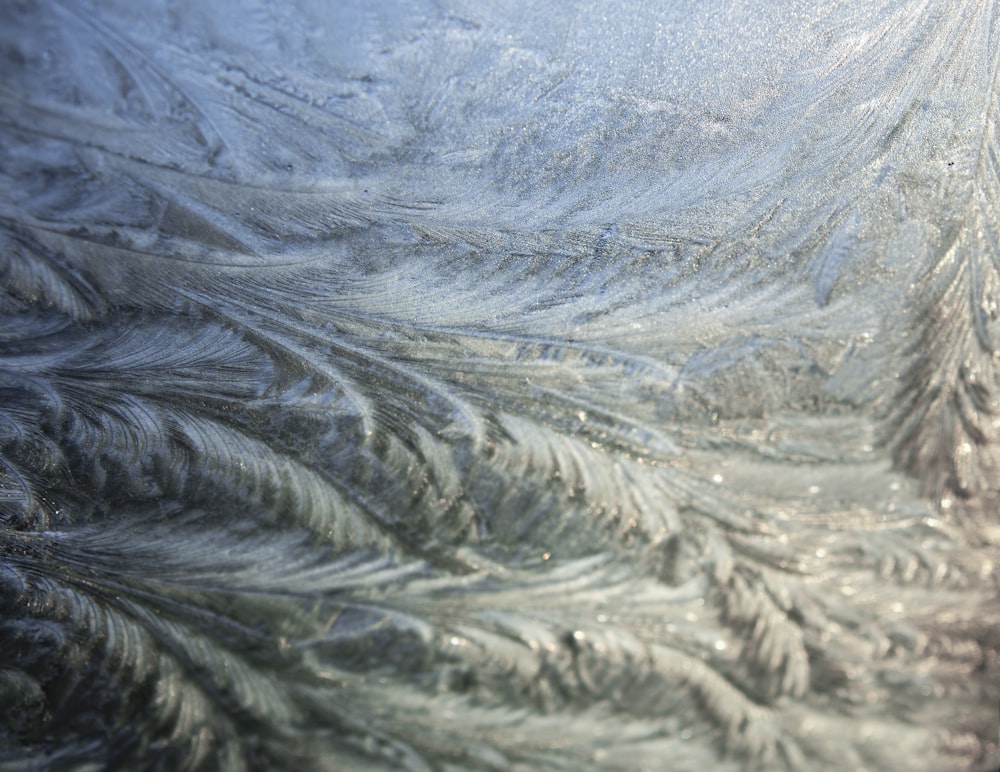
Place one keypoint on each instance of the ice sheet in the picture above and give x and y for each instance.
(452, 385)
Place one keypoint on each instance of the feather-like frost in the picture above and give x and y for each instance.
(400, 387)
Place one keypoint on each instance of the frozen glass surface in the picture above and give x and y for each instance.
(510, 385)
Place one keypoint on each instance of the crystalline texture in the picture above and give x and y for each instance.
(409, 385)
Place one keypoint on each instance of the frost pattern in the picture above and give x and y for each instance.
(412, 385)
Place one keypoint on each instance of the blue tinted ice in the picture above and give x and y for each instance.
(454, 385)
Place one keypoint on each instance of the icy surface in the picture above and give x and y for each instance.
(459, 385)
